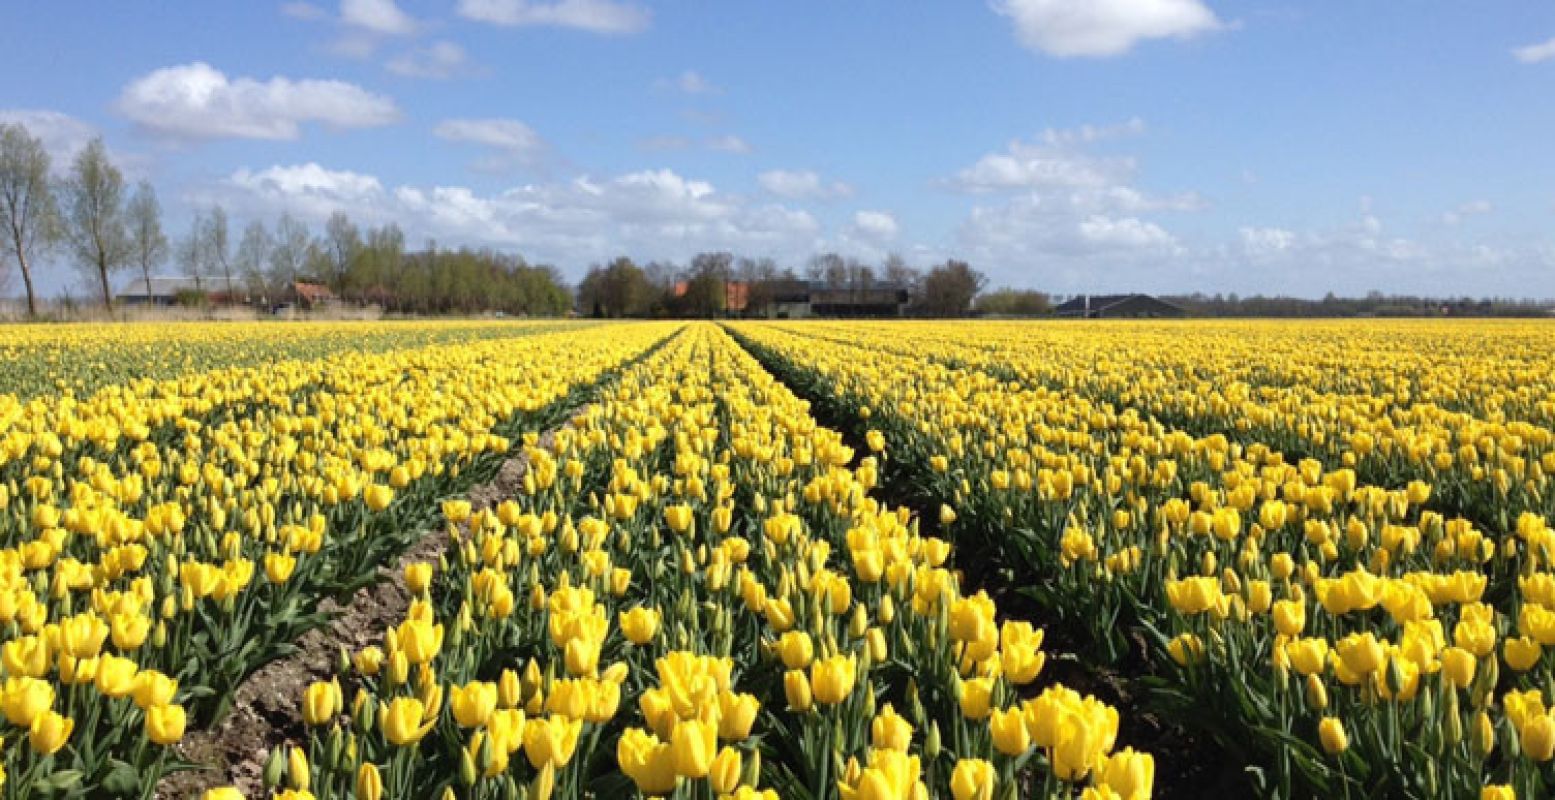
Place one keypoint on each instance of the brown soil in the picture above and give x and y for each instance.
(266, 709)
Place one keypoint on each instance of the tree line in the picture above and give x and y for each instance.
(105, 228)
(702, 288)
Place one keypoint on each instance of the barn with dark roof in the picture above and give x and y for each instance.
(1118, 306)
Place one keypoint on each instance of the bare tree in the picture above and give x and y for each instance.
(289, 250)
(343, 242)
(27, 210)
(94, 215)
(252, 257)
(148, 244)
(218, 246)
(193, 252)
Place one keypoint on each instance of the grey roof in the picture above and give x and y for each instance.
(1100, 302)
(160, 287)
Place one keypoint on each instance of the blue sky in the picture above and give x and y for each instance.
(1068, 145)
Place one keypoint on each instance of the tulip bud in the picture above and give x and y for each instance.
(1317, 695)
(275, 767)
(467, 773)
(297, 773)
(369, 783)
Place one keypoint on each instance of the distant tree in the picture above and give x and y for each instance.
(706, 280)
(252, 257)
(618, 289)
(94, 215)
(342, 243)
(897, 271)
(829, 267)
(148, 244)
(289, 251)
(28, 213)
(193, 253)
(1014, 302)
(218, 248)
(948, 289)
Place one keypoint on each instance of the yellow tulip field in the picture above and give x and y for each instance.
(808, 560)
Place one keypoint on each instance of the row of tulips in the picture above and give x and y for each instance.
(163, 539)
(694, 594)
(1339, 635)
(78, 360)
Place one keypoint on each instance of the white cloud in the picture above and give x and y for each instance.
(802, 185)
(878, 225)
(1046, 165)
(515, 143)
(503, 134)
(1128, 233)
(1099, 28)
(651, 214)
(688, 82)
(595, 16)
(1473, 208)
(729, 144)
(61, 134)
(198, 101)
(378, 16)
(1534, 53)
(1257, 242)
(301, 10)
(307, 190)
(441, 59)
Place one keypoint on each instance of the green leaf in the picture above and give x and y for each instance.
(122, 780)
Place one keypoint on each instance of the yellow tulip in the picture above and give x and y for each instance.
(403, 722)
(473, 703)
(321, 702)
(25, 699)
(796, 649)
(831, 679)
(972, 779)
(369, 782)
(49, 731)
(639, 624)
(165, 724)
(796, 688)
(694, 744)
(1331, 733)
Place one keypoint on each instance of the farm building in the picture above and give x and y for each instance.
(309, 296)
(163, 291)
(1118, 306)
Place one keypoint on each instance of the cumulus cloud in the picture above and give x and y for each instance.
(594, 16)
(1080, 214)
(1265, 241)
(1127, 233)
(1534, 53)
(802, 185)
(441, 59)
(198, 101)
(1053, 161)
(377, 16)
(1100, 28)
(877, 225)
(654, 213)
